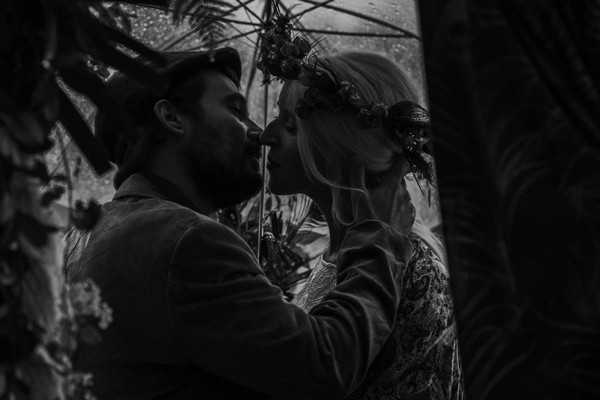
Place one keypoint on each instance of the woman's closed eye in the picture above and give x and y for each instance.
(287, 122)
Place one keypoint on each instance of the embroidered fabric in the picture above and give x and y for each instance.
(421, 358)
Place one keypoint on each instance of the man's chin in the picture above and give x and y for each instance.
(237, 191)
(280, 188)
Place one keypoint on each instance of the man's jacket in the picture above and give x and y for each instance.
(195, 316)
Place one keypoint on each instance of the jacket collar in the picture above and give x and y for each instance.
(149, 185)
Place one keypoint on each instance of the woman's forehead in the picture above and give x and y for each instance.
(289, 95)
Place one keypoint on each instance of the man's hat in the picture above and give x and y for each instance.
(128, 94)
(182, 66)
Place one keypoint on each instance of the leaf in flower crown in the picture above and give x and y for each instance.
(302, 45)
(315, 75)
(348, 94)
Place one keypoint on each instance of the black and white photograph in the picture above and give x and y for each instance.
(299, 199)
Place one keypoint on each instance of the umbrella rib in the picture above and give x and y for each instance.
(301, 25)
(343, 33)
(248, 10)
(253, 42)
(224, 40)
(237, 21)
(254, 63)
(210, 20)
(252, 72)
(314, 7)
(362, 16)
(228, 20)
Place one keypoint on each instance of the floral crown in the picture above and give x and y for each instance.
(288, 59)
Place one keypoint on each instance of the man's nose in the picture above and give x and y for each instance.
(268, 137)
(254, 132)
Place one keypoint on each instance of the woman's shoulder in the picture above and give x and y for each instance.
(426, 297)
(421, 356)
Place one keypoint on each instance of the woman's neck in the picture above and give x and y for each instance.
(323, 200)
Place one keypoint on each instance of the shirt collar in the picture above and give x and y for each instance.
(149, 185)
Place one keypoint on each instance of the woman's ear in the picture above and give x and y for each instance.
(169, 116)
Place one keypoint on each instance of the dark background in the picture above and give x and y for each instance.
(513, 89)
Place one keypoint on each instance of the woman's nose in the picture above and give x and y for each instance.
(269, 136)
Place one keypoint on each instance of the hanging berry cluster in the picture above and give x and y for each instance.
(280, 54)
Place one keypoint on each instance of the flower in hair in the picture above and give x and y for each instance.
(405, 114)
(414, 140)
(372, 116)
(408, 124)
(348, 94)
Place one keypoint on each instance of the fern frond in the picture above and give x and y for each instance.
(206, 18)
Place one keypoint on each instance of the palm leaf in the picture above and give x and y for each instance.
(520, 244)
(206, 18)
(81, 134)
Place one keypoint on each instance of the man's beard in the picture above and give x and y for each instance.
(227, 186)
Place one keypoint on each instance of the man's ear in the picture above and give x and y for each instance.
(169, 116)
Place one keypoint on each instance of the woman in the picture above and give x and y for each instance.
(322, 148)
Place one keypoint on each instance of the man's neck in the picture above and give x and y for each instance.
(200, 201)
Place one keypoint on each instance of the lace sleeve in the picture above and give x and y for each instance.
(321, 281)
(421, 359)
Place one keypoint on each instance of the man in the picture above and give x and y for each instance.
(194, 315)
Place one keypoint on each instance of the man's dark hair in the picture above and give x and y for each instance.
(132, 144)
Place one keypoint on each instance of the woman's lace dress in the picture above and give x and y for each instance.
(421, 359)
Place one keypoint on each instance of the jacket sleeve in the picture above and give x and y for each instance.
(231, 321)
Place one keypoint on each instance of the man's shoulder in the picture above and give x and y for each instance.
(156, 229)
(206, 235)
(187, 221)
(160, 213)
(189, 231)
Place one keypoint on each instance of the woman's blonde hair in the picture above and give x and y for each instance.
(329, 142)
